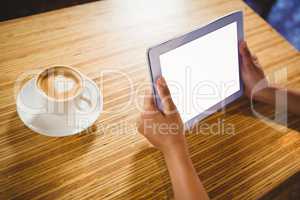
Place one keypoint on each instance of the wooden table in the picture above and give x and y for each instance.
(112, 163)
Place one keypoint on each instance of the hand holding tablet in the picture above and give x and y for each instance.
(201, 68)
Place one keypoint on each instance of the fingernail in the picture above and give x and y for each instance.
(163, 81)
(159, 81)
(245, 45)
(240, 42)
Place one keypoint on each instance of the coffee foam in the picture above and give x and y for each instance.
(63, 84)
(60, 83)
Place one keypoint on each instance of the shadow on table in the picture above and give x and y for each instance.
(266, 111)
(242, 149)
(148, 178)
(32, 159)
(288, 190)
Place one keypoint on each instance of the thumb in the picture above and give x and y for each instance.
(246, 55)
(165, 96)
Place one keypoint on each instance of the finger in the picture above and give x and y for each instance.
(254, 57)
(149, 104)
(137, 123)
(165, 96)
(140, 125)
(246, 54)
(256, 61)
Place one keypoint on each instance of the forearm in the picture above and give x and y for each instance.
(185, 181)
(274, 93)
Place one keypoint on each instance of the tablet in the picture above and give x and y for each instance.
(201, 68)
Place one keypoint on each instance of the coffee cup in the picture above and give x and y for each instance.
(59, 101)
(62, 90)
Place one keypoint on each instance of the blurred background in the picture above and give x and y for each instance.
(283, 15)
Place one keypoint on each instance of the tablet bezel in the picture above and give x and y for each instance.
(156, 51)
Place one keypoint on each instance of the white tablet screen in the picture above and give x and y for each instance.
(203, 72)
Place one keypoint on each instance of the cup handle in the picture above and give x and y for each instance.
(87, 100)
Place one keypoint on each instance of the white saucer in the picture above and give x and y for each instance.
(53, 124)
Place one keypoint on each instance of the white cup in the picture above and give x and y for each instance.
(81, 102)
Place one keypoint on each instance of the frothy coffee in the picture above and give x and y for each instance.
(60, 82)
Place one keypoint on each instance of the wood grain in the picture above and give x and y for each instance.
(107, 162)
